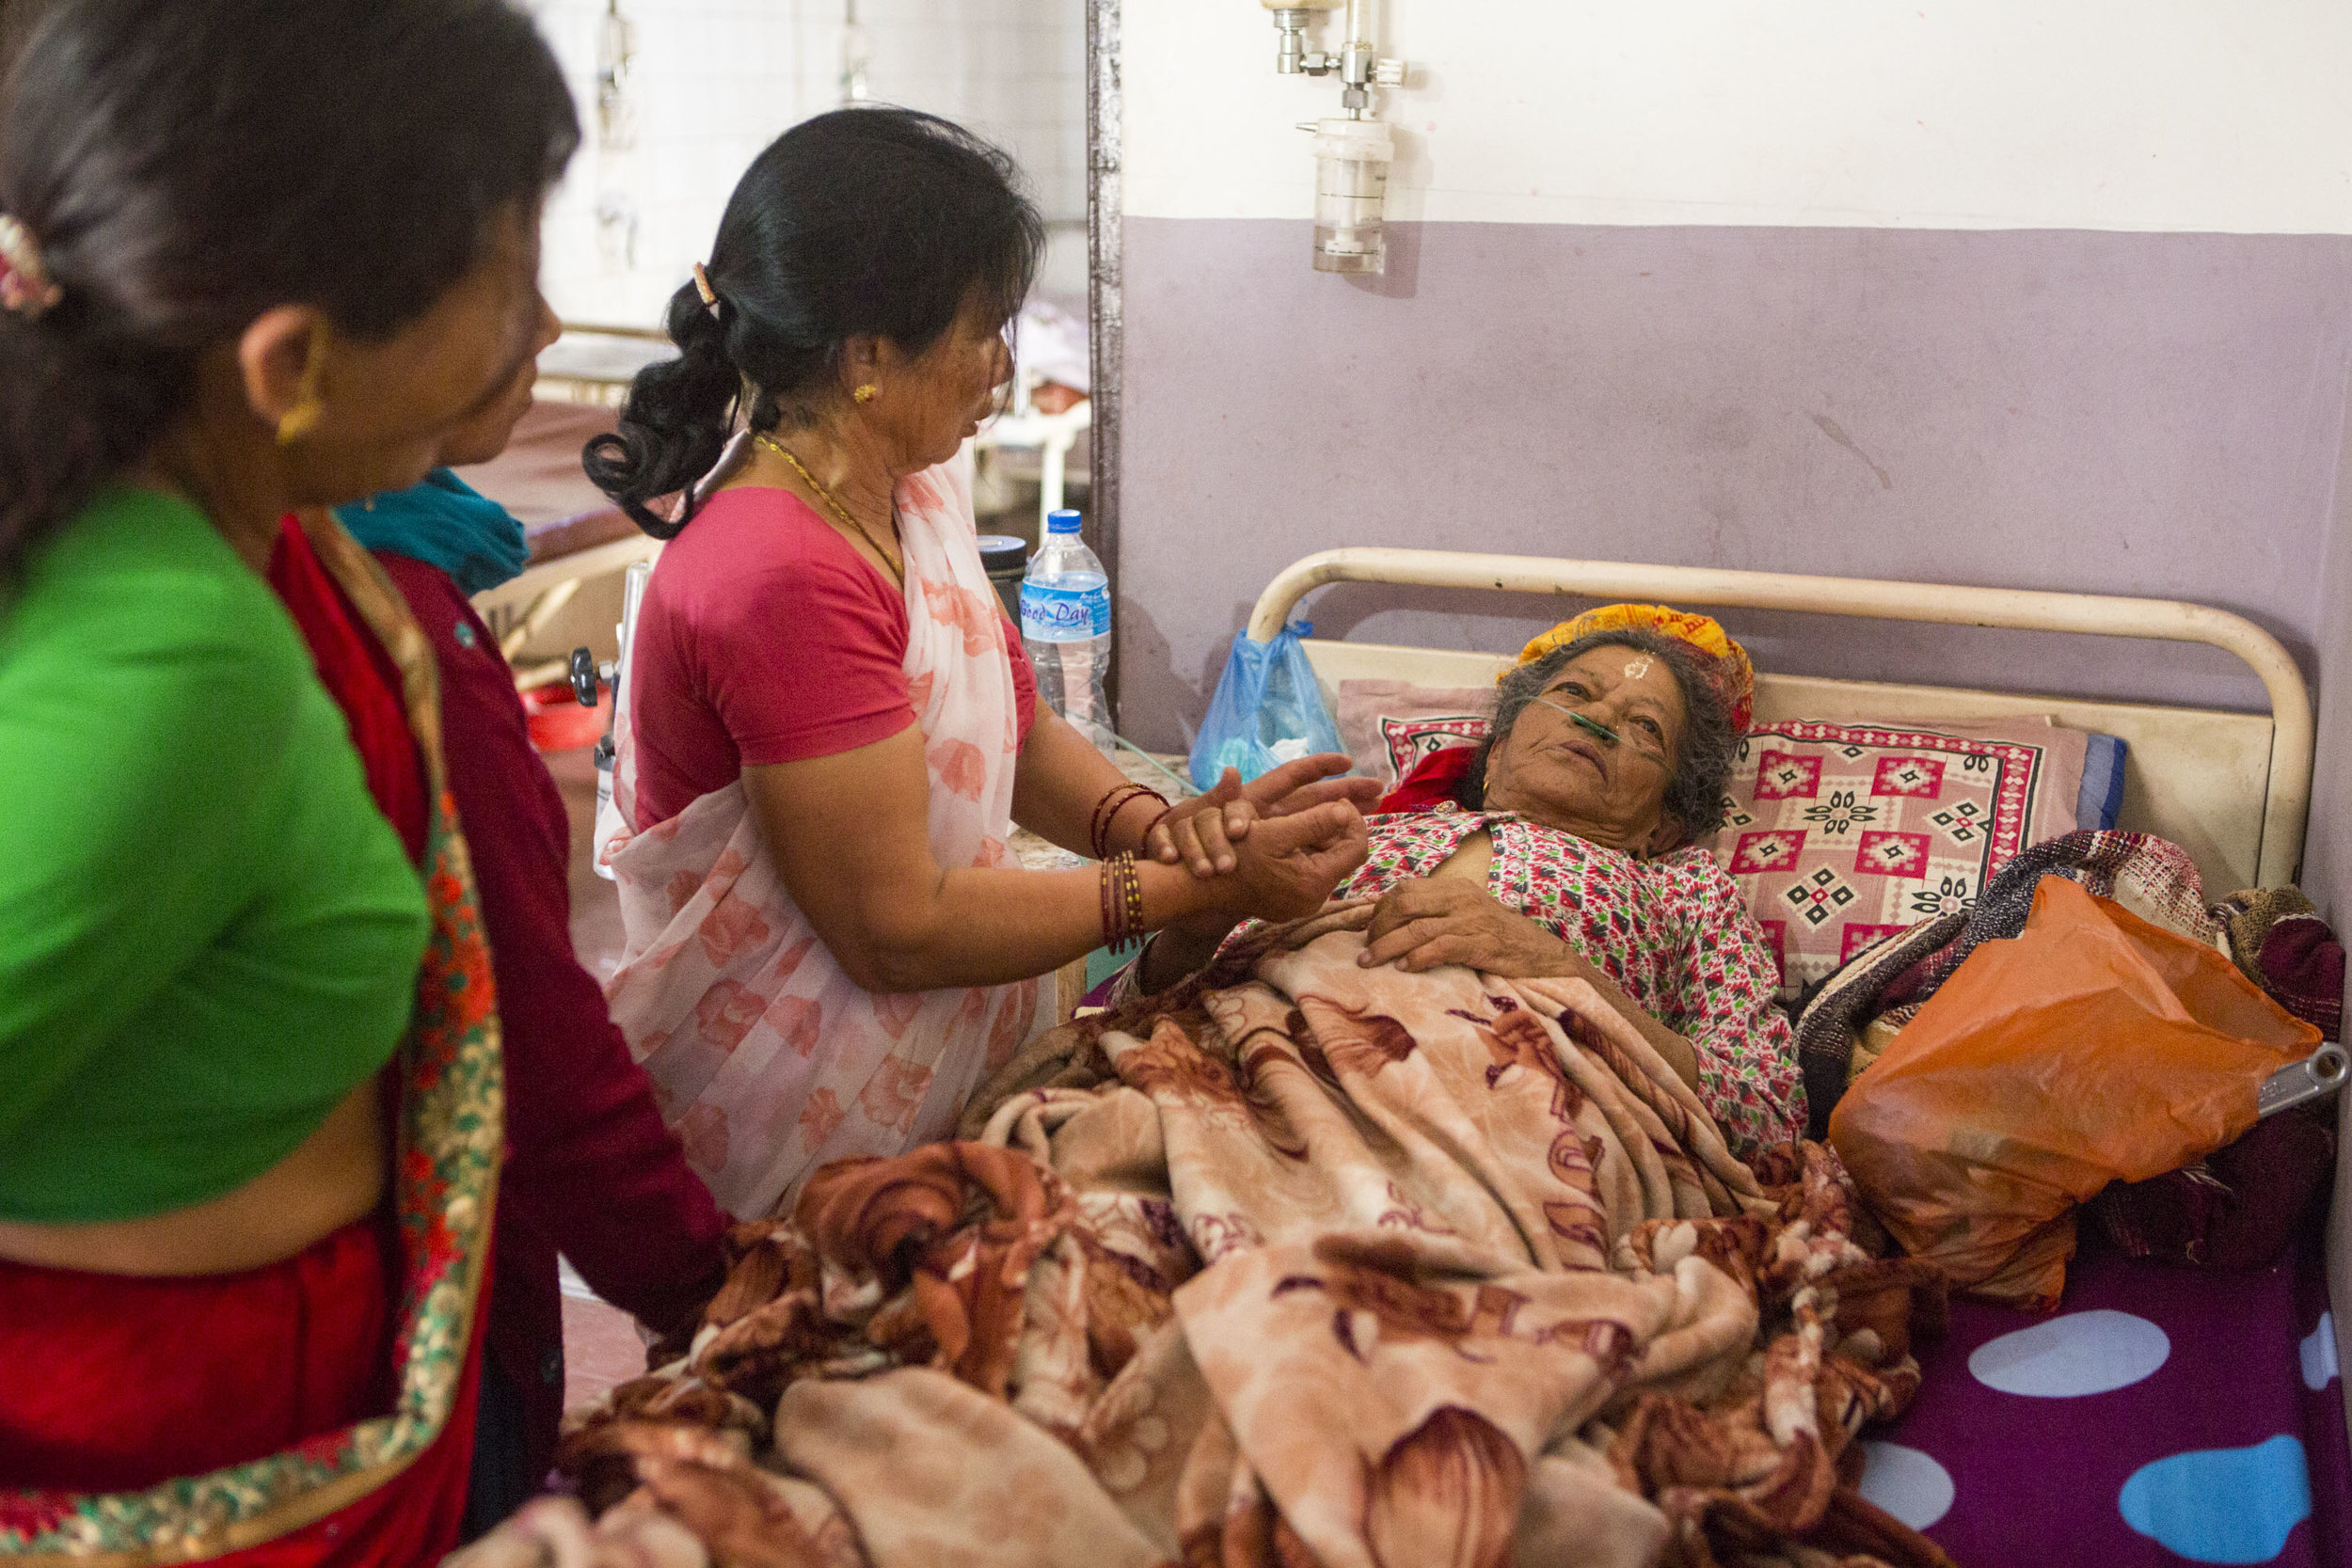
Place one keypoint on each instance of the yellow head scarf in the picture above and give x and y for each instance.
(1735, 676)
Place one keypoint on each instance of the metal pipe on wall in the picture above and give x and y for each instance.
(1357, 60)
(1105, 253)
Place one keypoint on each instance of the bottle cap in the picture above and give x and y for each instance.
(1002, 552)
(1061, 522)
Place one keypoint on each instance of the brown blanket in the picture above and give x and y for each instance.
(1304, 1263)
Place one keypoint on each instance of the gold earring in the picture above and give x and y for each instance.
(309, 404)
(299, 420)
(866, 393)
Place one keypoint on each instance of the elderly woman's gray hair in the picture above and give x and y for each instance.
(1695, 792)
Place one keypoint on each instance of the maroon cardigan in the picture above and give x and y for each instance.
(591, 1171)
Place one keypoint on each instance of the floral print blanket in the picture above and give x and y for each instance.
(1301, 1263)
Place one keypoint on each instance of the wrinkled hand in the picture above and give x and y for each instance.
(1430, 921)
(1201, 833)
(1288, 865)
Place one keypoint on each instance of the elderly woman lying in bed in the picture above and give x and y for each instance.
(1568, 845)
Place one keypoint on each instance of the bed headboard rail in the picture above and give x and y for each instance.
(2285, 783)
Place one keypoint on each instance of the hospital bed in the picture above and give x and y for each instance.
(2204, 1408)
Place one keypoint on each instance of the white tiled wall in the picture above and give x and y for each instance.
(716, 80)
(2179, 115)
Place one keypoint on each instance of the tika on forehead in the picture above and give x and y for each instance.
(1638, 667)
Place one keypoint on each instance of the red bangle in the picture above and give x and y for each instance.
(1105, 809)
(1106, 812)
(1137, 792)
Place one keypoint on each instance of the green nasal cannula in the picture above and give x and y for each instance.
(1591, 726)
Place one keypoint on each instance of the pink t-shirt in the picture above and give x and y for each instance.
(764, 637)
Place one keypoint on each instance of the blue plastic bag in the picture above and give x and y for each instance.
(1267, 709)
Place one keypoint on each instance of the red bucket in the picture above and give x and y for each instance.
(558, 723)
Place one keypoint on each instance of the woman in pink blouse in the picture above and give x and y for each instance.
(828, 731)
(1570, 844)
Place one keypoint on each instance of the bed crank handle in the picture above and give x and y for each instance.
(2318, 1076)
(587, 676)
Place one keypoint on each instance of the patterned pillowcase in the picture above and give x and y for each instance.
(1840, 834)
(1389, 727)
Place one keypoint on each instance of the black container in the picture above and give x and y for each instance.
(1007, 560)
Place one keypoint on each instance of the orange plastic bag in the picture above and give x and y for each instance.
(2094, 1047)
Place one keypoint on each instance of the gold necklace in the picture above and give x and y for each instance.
(836, 508)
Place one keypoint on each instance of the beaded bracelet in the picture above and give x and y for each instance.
(1110, 902)
(1106, 812)
(1122, 902)
(1134, 880)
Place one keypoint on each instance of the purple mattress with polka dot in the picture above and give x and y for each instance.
(2161, 1416)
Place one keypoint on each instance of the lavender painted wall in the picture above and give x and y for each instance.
(2157, 414)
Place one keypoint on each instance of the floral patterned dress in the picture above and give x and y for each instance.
(1673, 932)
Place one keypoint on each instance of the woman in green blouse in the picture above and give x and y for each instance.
(256, 257)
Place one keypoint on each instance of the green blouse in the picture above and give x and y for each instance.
(208, 933)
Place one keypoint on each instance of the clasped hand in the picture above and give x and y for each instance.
(1203, 832)
(1430, 921)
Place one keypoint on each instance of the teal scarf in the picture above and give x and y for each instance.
(447, 523)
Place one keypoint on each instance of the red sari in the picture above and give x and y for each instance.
(319, 1412)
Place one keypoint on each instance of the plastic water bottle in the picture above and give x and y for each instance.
(1066, 627)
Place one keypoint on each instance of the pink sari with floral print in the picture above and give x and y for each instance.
(768, 1060)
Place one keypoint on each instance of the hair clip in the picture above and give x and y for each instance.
(26, 287)
(702, 287)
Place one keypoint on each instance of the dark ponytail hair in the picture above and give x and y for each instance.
(186, 166)
(880, 222)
